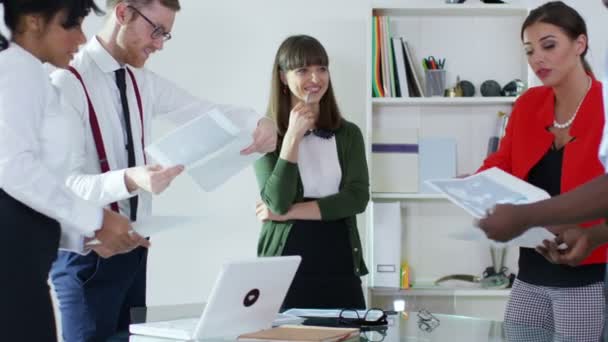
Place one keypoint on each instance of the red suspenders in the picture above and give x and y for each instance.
(99, 146)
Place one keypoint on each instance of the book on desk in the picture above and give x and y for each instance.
(303, 334)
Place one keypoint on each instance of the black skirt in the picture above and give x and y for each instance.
(326, 278)
(27, 249)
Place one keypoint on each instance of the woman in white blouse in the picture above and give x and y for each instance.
(316, 182)
(34, 154)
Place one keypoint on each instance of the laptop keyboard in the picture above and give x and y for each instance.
(187, 324)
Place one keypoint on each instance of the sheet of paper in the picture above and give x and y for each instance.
(208, 145)
(529, 239)
(223, 164)
(480, 192)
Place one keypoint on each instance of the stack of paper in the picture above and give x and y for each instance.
(481, 192)
(208, 145)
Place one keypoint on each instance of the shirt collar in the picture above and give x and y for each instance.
(101, 56)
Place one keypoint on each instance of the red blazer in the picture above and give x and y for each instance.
(527, 140)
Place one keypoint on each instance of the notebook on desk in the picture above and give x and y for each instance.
(246, 297)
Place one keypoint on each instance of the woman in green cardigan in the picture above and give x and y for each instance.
(314, 184)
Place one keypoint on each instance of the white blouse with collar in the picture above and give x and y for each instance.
(319, 166)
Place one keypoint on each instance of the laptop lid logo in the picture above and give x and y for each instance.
(251, 297)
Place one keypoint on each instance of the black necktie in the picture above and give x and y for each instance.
(122, 87)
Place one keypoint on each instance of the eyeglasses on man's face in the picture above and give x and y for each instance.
(158, 31)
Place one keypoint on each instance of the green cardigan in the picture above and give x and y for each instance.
(281, 186)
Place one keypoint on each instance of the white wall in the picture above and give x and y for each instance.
(223, 51)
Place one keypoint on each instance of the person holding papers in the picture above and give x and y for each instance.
(34, 154)
(587, 202)
(115, 100)
(315, 184)
(551, 141)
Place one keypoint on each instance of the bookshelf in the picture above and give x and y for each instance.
(480, 42)
(442, 101)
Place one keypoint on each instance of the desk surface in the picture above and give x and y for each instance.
(401, 327)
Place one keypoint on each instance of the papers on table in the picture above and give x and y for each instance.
(480, 192)
(208, 145)
(328, 313)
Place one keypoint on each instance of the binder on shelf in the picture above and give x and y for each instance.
(395, 160)
(437, 160)
(387, 244)
(377, 90)
(411, 72)
(401, 76)
(391, 58)
(384, 53)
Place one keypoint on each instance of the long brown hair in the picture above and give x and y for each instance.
(296, 52)
(563, 16)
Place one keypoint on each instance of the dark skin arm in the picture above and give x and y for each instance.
(587, 202)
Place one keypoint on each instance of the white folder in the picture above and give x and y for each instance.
(387, 244)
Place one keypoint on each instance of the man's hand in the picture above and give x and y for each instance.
(117, 236)
(264, 138)
(152, 178)
(503, 223)
(264, 214)
(579, 244)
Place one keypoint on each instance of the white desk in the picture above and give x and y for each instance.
(401, 328)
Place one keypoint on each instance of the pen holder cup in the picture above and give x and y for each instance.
(434, 82)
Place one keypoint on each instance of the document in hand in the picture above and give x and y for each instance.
(208, 145)
(303, 334)
(482, 191)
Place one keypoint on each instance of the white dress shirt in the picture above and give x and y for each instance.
(35, 139)
(159, 97)
(319, 166)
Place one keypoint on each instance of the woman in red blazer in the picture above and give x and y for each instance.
(552, 141)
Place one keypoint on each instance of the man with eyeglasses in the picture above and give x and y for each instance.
(116, 99)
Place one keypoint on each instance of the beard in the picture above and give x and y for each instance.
(135, 57)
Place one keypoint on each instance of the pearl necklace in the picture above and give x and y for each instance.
(571, 120)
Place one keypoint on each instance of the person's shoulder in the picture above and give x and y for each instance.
(81, 64)
(349, 127)
(21, 70)
(534, 95)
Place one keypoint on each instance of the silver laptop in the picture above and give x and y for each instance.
(246, 297)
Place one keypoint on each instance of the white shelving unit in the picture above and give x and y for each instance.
(480, 42)
(442, 101)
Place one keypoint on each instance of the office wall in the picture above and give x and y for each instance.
(223, 51)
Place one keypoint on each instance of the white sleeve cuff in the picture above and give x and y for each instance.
(116, 186)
